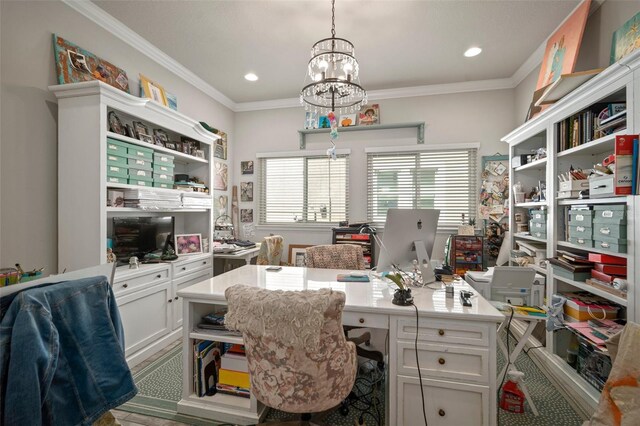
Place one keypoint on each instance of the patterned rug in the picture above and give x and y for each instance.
(160, 388)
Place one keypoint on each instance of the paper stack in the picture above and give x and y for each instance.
(196, 200)
(150, 199)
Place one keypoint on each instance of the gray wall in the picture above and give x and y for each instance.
(594, 52)
(28, 141)
(481, 117)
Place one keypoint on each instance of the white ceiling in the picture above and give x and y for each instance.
(398, 43)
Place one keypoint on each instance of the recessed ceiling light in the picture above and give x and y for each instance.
(251, 77)
(472, 51)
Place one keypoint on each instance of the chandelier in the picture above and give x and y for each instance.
(332, 81)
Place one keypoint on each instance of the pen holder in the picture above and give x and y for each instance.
(402, 297)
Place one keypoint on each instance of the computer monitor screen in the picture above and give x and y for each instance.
(402, 229)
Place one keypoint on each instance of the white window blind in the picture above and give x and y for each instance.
(310, 189)
(443, 180)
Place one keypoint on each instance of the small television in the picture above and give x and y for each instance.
(139, 236)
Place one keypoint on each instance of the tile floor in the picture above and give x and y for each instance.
(132, 419)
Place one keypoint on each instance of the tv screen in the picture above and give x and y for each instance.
(138, 236)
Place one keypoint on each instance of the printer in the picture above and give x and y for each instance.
(508, 290)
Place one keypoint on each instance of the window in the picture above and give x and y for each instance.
(309, 189)
(443, 180)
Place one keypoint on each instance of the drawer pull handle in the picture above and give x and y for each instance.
(125, 285)
(441, 412)
(184, 268)
(441, 361)
(361, 320)
(441, 332)
(170, 300)
(158, 276)
(204, 262)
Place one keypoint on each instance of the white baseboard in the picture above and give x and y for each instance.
(153, 348)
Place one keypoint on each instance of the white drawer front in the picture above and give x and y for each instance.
(444, 362)
(446, 403)
(456, 332)
(127, 285)
(365, 320)
(187, 266)
(181, 284)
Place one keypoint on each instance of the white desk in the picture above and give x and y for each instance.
(245, 255)
(456, 345)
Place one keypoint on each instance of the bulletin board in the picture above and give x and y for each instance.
(493, 206)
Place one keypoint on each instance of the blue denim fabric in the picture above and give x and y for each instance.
(61, 355)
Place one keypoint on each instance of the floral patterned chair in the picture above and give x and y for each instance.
(344, 256)
(270, 250)
(299, 360)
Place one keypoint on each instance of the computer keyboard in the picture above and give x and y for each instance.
(242, 243)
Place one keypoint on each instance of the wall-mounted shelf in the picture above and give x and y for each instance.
(419, 126)
(540, 164)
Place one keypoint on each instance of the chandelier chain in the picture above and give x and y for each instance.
(333, 18)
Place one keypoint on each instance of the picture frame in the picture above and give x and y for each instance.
(199, 153)
(115, 125)
(145, 138)
(246, 167)
(153, 90)
(311, 120)
(625, 39)
(221, 176)
(188, 244)
(140, 128)
(368, 115)
(298, 254)
(130, 131)
(246, 191)
(162, 135)
(347, 120)
(172, 101)
(157, 140)
(246, 215)
(170, 145)
(220, 148)
(323, 122)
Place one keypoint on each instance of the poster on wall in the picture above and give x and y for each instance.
(75, 65)
(626, 39)
(221, 176)
(220, 205)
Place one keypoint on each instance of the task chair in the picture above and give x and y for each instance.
(344, 256)
(270, 250)
(299, 360)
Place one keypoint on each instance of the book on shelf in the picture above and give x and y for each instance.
(569, 266)
(234, 378)
(206, 362)
(608, 287)
(607, 258)
(601, 276)
(592, 123)
(574, 257)
(611, 269)
(624, 164)
(235, 362)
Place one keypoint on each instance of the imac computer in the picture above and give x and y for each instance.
(409, 235)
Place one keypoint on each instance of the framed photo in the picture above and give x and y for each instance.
(246, 215)
(162, 135)
(246, 167)
(187, 244)
(369, 114)
(153, 90)
(198, 153)
(139, 129)
(172, 101)
(220, 150)
(311, 120)
(323, 122)
(170, 145)
(145, 138)
(115, 125)
(130, 131)
(157, 140)
(298, 254)
(221, 176)
(246, 191)
(347, 120)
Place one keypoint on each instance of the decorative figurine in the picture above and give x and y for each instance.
(111, 257)
(134, 263)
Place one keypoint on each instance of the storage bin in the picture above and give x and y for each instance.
(585, 242)
(538, 216)
(583, 306)
(162, 158)
(610, 213)
(117, 147)
(574, 185)
(140, 182)
(140, 174)
(163, 185)
(116, 179)
(539, 234)
(162, 177)
(162, 168)
(139, 163)
(140, 152)
(117, 171)
(582, 217)
(601, 187)
(116, 160)
(609, 231)
(537, 226)
(614, 245)
(580, 232)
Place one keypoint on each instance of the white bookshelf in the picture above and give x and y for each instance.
(614, 83)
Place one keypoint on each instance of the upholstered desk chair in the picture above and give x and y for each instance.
(270, 250)
(344, 256)
(299, 360)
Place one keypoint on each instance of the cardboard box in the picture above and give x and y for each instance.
(579, 304)
(624, 164)
(574, 185)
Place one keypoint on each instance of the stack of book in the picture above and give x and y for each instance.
(190, 186)
(206, 362)
(233, 376)
(150, 199)
(606, 269)
(572, 266)
(595, 122)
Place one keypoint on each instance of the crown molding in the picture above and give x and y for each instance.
(133, 39)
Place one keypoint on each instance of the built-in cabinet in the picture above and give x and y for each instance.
(618, 83)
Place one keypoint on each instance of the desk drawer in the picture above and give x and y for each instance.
(355, 319)
(188, 266)
(126, 285)
(444, 362)
(446, 403)
(456, 332)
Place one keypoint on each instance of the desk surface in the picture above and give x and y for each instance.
(237, 254)
(374, 296)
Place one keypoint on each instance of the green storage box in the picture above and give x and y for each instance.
(163, 185)
(538, 216)
(140, 174)
(581, 217)
(117, 171)
(539, 234)
(585, 242)
(139, 152)
(116, 160)
(610, 213)
(139, 163)
(117, 147)
(116, 179)
(575, 276)
(537, 226)
(580, 232)
(608, 230)
(162, 158)
(163, 177)
(584, 224)
(162, 168)
(140, 182)
(613, 245)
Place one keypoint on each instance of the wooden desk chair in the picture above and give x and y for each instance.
(344, 256)
(299, 360)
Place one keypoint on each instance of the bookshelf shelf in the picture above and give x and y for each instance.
(534, 165)
(592, 289)
(530, 238)
(112, 210)
(609, 200)
(219, 337)
(566, 244)
(179, 156)
(531, 204)
(597, 146)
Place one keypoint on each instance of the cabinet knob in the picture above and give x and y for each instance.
(441, 412)
(184, 268)
(361, 320)
(441, 332)
(170, 300)
(204, 262)
(176, 298)
(125, 285)
(441, 361)
(158, 276)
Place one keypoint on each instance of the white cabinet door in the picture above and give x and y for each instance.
(446, 403)
(181, 284)
(146, 316)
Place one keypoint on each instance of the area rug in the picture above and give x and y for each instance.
(160, 388)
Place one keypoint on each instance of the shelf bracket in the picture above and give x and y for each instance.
(303, 142)
(420, 133)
